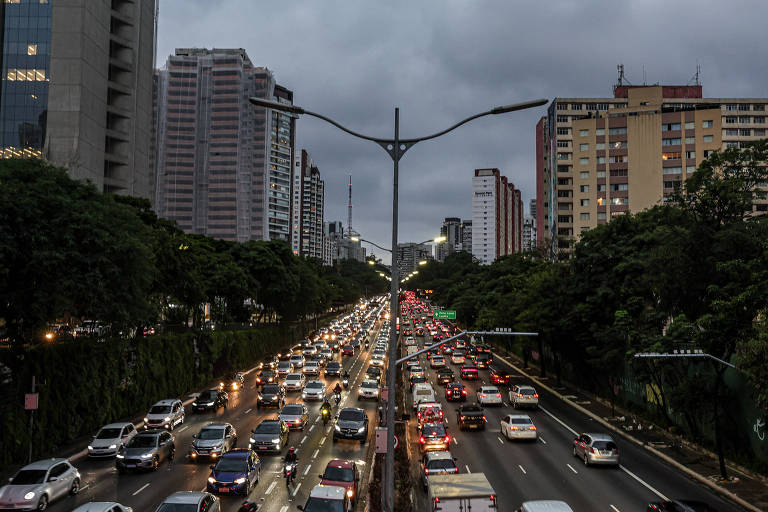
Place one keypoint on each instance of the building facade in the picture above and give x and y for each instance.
(410, 254)
(77, 88)
(466, 235)
(223, 166)
(529, 233)
(497, 211)
(307, 208)
(451, 230)
(598, 158)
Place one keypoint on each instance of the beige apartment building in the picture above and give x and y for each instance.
(600, 158)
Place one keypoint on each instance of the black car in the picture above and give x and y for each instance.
(351, 423)
(455, 392)
(266, 377)
(271, 395)
(470, 416)
(483, 360)
(499, 376)
(210, 400)
(679, 506)
(333, 369)
(374, 372)
(234, 382)
(417, 379)
(270, 435)
(445, 376)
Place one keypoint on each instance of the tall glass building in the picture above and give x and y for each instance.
(26, 52)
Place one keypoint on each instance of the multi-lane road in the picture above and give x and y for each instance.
(547, 469)
(145, 491)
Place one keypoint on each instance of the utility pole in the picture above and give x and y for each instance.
(31, 419)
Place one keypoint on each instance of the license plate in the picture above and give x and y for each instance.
(223, 489)
(130, 465)
(472, 426)
(261, 447)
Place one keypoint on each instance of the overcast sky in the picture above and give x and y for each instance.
(442, 60)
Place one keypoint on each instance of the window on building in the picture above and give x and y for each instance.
(759, 107)
(731, 106)
(731, 144)
(619, 144)
(600, 215)
(562, 106)
(601, 187)
(618, 173)
(600, 174)
(690, 169)
(744, 107)
(758, 120)
(583, 133)
(583, 147)
(690, 154)
(745, 132)
(710, 124)
(563, 193)
(672, 170)
(584, 202)
(618, 159)
(708, 138)
(600, 145)
(675, 141)
(584, 161)
(563, 131)
(563, 181)
(670, 127)
(673, 155)
(759, 132)
(669, 184)
(601, 160)
(562, 119)
(563, 156)
(615, 187)
(584, 188)
(563, 168)
(690, 126)
(690, 141)
(619, 130)
(619, 200)
(600, 131)
(602, 106)
(591, 106)
(563, 143)
(745, 119)
(732, 133)
(707, 152)
(576, 106)
(583, 216)
(584, 175)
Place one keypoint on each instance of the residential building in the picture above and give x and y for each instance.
(466, 235)
(77, 88)
(307, 208)
(529, 233)
(224, 166)
(339, 244)
(451, 230)
(497, 211)
(410, 254)
(598, 158)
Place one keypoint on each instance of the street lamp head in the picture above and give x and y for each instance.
(371, 262)
(518, 106)
(439, 239)
(355, 238)
(423, 262)
(274, 105)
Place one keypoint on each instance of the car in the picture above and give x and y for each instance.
(460, 344)
(347, 350)
(327, 353)
(297, 360)
(470, 417)
(284, 368)
(373, 373)
(311, 368)
(309, 351)
(679, 506)
(481, 348)
(489, 395)
(327, 498)
(352, 424)
(428, 412)
(102, 506)
(455, 392)
(411, 363)
(422, 393)
(190, 501)
(437, 362)
(355, 343)
(314, 390)
(271, 395)
(295, 416)
(523, 396)
(368, 389)
(437, 463)
(165, 414)
(498, 376)
(518, 426)
(146, 451)
(269, 436)
(416, 371)
(596, 449)
(210, 400)
(236, 472)
(109, 439)
(266, 377)
(469, 371)
(235, 382)
(544, 506)
(483, 360)
(445, 376)
(342, 473)
(458, 357)
(434, 437)
(294, 382)
(333, 369)
(417, 379)
(213, 440)
(377, 360)
(38, 484)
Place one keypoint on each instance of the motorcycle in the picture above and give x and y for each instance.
(345, 382)
(337, 397)
(248, 506)
(326, 414)
(289, 472)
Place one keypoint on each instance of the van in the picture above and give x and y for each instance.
(423, 392)
(544, 506)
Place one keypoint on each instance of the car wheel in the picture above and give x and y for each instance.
(586, 460)
(42, 503)
(75, 487)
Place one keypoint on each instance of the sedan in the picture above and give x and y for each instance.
(368, 389)
(469, 371)
(455, 392)
(210, 400)
(312, 368)
(437, 362)
(347, 350)
(444, 376)
(416, 379)
(294, 382)
(679, 506)
(314, 390)
(271, 395)
(489, 395)
(518, 426)
(270, 435)
(235, 473)
(434, 438)
(596, 449)
(295, 416)
(146, 451)
(266, 377)
(103, 506)
(297, 361)
(377, 361)
(39, 483)
(333, 369)
(416, 371)
(457, 357)
(213, 440)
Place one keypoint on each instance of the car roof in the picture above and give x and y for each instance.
(598, 437)
(185, 497)
(217, 425)
(167, 401)
(489, 387)
(237, 453)
(294, 374)
(117, 425)
(439, 456)
(370, 383)
(341, 463)
(525, 386)
(356, 409)
(96, 506)
(333, 492)
(43, 464)
(151, 432)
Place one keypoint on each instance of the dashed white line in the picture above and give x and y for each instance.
(284, 508)
(269, 489)
(140, 489)
(569, 429)
(312, 427)
(303, 439)
(307, 470)
(500, 440)
(522, 469)
(325, 437)
(614, 509)
(249, 410)
(455, 441)
(542, 440)
(314, 455)
(296, 489)
(182, 429)
(571, 468)
(467, 466)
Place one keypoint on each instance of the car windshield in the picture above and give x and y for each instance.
(267, 374)
(339, 474)
(29, 476)
(108, 433)
(527, 391)
(160, 409)
(207, 395)
(270, 389)
(351, 415)
(211, 433)
(143, 442)
(370, 384)
(432, 430)
(472, 408)
(441, 464)
(177, 507)
(521, 421)
(292, 409)
(231, 465)
(334, 365)
(315, 385)
(293, 377)
(296, 358)
(268, 427)
(604, 445)
(324, 505)
(284, 364)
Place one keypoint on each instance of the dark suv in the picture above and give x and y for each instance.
(210, 400)
(271, 395)
(351, 423)
(470, 416)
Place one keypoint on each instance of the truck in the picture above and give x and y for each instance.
(460, 492)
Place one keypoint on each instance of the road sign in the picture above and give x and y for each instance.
(381, 440)
(30, 401)
(445, 314)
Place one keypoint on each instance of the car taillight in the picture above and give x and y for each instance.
(591, 450)
(484, 419)
(519, 394)
(441, 415)
(422, 440)
(498, 395)
(514, 428)
(426, 471)
(447, 439)
(463, 391)
(532, 427)
(482, 395)
(535, 395)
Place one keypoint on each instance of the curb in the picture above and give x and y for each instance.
(669, 460)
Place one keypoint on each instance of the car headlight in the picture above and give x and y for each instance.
(338, 428)
(240, 480)
(361, 430)
(120, 456)
(146, 420)
(29, 495)
(209, 404)
(211, 480)
(276, 440)
(350, 492)
(90, 448)
(146, 455)
(167, 418)
(252, 441)
(111, 447)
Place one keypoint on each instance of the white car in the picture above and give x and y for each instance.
(297, 361)
(489, 395)
(377, 360)
(294, 382)
(523, 396)
(165, 414)
(457, 357)
(437, 362)
(327, 353)
(103, 506)
(518, 426)
(314, 390)
(368, 389)
(311, 368)
(110, 439)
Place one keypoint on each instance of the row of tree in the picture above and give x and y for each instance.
(68, 251)
(689, 274)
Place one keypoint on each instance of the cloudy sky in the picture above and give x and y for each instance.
(442, 60)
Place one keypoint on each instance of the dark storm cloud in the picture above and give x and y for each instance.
(440, 61)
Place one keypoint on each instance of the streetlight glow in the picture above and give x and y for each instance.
(439, 239)
(423, 262)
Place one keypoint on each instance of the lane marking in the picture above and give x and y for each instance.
(312, 427)
(646, 484)
(327, 430)
(569, 429)
(500, 440)
(249, 410)
(523, 470)
(296, 489)
(614, 509)
(314, 455)
(182, 429)
(542, 440)
(284, 508)
(84, 487)
(307, 470)
(455, 441)
(325, 437)
(571, 468)
(467, 466)
(140, 489)
(303, 439)
(269, 489)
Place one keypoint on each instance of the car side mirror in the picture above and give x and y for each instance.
(10, 480)
(52, 479)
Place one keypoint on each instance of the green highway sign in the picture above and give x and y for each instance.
(445, 314)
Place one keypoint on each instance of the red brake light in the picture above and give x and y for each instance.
(532, 427)
(535, 395)
(484, 419)
(447, 439)
(422, 440)
(482, 395)
(426, 471)
(520, 394)
(513, 428)
(463, 391)
(591, 450)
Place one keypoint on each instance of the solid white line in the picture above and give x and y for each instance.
(182, 429)
(307, 470)
(646, 484)
(569, 429)
(284, 508)
(522, 469)
(141, 489)
(467, 466)
(500, 440)
(249, 410)
(296, 489)
(571, 468)
(542, 440)
(314, 455)
(614, 508)
(303, 439)
(269, 489)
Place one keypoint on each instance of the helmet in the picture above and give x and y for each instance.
(291, 449)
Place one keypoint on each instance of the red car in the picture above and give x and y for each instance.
(342, 473)
(469, 372)
(347, 350)
(499, 376)
(455, 392)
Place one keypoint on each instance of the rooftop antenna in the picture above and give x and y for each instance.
(696, 78)
(622, 80)
(644, 80)
(349, 206)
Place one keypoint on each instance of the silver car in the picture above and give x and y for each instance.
(523, 396)
(596, 449)
(213, 440)
(295, 416)
(146, 451)
(314, 390)
(165, 414)
(190, 501)
(40, 483)
(108, 441)
(103, 506)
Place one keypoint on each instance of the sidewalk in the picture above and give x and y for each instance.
(748, 489)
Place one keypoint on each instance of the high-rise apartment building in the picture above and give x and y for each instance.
(410, 254)
(307, 208)
(497, 216)
(466, 235)
(598, 158)
(223, 166)
(451, 230)
(77, 88)
(529, 233)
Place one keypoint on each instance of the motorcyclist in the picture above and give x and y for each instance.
(325, 411)
(337, 389)
(290, 458)
(345, 376)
